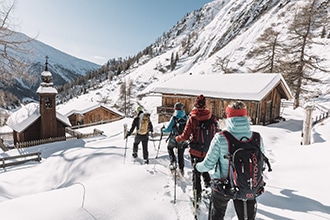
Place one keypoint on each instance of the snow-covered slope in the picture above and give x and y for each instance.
(64, 67)
(95, 178)
(92, 179)
(220, 29)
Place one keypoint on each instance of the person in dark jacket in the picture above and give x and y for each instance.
(238, 124)
(143, 126)
(198, 113)
(178, 115)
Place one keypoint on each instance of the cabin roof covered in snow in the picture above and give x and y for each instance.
(27, 115)
(83, 107)
(247, 86)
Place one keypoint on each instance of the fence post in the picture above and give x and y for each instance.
(307, 126)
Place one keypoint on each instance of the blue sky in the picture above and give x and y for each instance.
(98, 30)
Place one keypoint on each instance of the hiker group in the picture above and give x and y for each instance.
(235, 154)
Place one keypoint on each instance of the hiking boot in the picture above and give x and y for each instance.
(207, 193)
(134, 154)
(172, 166)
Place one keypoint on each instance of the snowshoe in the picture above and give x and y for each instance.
(172, 167)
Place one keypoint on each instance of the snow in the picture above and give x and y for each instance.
(28, 114)
(225, 86)
(91, 178)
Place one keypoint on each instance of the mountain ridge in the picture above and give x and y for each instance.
(64, 67)
(220, 29)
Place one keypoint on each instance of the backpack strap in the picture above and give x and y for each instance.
(233, 144)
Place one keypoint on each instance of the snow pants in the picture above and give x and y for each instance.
(219, 206)
(144, 139)
(170, 149)
(197, 176)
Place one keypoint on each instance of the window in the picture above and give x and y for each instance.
(48, 103)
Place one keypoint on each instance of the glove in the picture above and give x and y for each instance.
(185, 144)
(194, 168)
(127, 134)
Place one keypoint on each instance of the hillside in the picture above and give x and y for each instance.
(95, 178)
(64, 67)
(217, 39)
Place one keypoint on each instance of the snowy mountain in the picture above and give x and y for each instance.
(218, 38)
(221, 30)
(95, 178)
(64, 67)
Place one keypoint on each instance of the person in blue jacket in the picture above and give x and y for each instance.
(175, 127)
(238, 124)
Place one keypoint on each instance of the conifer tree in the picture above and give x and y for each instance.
(269, 48)
(300, 61)
(125, 96)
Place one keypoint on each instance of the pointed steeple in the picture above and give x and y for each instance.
(46, 76)
(46, 64)
(46, 86)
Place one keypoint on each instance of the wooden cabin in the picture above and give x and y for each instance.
(92, 114)
(262, 93)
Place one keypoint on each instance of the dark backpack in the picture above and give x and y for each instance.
(206, 131)
(245, 174)
(178, 127)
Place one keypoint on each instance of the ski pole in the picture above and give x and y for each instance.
(161, 136)
(125, 132)
(210, 207)
(195, 188)
(175, 183)
(195, 204)
(153, 141)
(125, 149)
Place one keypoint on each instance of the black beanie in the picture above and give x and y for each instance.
(178, 106)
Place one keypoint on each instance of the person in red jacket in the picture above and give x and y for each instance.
(192, 133)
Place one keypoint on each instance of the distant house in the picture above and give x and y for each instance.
(35, 122)
(262, 93)
(92, 113)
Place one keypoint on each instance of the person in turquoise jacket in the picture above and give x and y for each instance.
(238, 124)
(178, 114)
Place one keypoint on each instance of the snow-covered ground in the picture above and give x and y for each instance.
(92, 179)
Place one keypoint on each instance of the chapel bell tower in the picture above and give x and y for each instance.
(47, 94)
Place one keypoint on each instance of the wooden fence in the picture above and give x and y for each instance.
(19, 159)
(96, 123)
(77, 134)
(70, 130)
(38, 142)
(320, 118)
